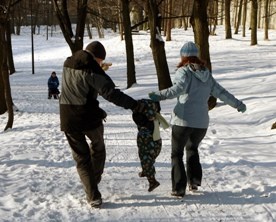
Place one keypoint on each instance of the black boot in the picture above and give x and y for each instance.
(153, 183)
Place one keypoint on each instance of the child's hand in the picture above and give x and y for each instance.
(105, 65)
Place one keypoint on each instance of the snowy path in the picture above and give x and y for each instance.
(38, 179)
(41, 183)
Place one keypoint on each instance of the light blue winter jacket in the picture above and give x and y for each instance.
(192, 86)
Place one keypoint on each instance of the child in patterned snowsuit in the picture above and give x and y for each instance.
(148, 140)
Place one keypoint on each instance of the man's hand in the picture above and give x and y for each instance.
(105, 65)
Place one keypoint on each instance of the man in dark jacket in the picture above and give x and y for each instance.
(80, 115)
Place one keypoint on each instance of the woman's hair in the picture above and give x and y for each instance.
(191, 59)
(53, 72)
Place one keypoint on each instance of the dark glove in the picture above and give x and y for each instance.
(154, 97)
(241, 107)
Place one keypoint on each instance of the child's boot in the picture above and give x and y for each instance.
(153, 183)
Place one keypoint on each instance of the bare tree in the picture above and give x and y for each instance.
(99, 21)
(227, 8)
(266, 18)
(157, 46)
(239, 17)
(131, 78)
(254, 19)
(169, 21)
(5, 89)
(75, 42)
(213, 16)
(120, 19)
(201, 33)
(244, 18)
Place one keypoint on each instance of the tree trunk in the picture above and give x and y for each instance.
(216, 17)
(244, 18)
(131, 78)
(99, 21)
(259, 14)
(75, 42)
(201, 31)
(239, 17)
(227, 8)
(201, 35)
(121, 27)
(254, 19)
(266, 23)
(145, 16)
(89, 32)
(9, 51)
(221, 12)
(6, 99)
(235, 12)
(157, 46)
(169, 21)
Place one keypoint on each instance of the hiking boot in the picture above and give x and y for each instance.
(180, 193)
(193, 187)
(141, 174)
(153, 183)
(96, 203)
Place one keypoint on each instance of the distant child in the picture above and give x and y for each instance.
(149, 141)
(53, 84)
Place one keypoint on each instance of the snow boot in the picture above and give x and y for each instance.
(96, 203)
(180, 193)
(153, 183)
(193, 187)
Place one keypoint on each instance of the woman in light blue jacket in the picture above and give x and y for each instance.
(192, 86)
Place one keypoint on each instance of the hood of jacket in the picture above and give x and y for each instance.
(200, 72)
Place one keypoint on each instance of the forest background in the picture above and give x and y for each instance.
(125, 17)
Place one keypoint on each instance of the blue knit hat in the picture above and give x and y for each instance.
(189, 49)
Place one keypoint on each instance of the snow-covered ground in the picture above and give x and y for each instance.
(38, 179)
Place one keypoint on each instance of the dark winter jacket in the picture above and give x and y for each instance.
(82, 80)
(53, 82)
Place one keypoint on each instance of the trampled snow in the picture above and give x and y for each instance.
(38, 177)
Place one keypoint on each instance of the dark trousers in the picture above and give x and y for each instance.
(53, 92)
(89, 160)
(189, 138)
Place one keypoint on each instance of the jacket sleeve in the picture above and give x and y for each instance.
(106, 88)
(219, 92)
(180, 85)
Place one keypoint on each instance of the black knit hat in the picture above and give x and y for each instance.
(97, 49)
